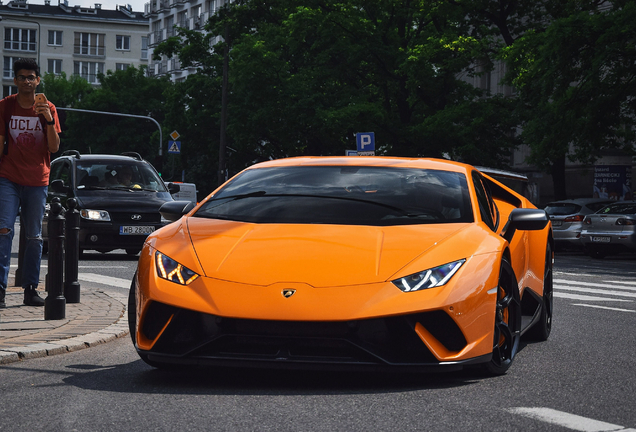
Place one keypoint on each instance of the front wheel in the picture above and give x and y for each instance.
(541, 330)
(507, 331)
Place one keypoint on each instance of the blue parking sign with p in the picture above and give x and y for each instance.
(365, 142)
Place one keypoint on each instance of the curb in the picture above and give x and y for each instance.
(114, 331)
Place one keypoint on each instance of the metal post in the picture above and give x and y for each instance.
(55, 303)
(71, 260)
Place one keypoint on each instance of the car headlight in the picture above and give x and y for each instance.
(169, 269)
(430, 278)
(95, 215)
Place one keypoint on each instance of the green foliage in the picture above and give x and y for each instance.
(306, 76)
(576, 81)
(125, 92)
(65, 92)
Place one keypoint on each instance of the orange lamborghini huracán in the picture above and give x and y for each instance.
(346, 262)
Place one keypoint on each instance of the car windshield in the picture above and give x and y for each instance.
(346, 195)
(618, 208)
(561, 209)
(103, 175)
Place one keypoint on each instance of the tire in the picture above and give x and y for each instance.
(132, 313)
(507, 331)
(541, 330)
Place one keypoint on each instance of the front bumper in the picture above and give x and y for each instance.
(187, 337)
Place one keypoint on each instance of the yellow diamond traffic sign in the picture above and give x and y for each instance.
(174, 135)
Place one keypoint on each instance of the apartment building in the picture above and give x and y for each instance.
(164, 15)
(75, 40)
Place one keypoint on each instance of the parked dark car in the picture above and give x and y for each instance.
(118, 198)
(611, 230)
(567, 219)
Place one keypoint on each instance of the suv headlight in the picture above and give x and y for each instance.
(169, 269)
(95, 215)
(431, 278)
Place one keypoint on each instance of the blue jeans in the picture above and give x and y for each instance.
(30, 200)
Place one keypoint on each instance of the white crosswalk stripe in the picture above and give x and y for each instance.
(104, 280)
(567, 286)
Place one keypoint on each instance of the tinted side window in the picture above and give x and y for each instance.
(485, 203)
(61, 171)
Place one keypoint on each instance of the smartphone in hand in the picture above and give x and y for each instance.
(40, 98)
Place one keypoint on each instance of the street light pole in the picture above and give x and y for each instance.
(121, 115)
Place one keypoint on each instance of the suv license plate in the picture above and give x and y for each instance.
(135, 230)
(601, 239)
(557, 223)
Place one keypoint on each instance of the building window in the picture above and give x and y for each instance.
(123, 43)
(121, 66)
(7, 67)
(88, 70)
(20, 39)
(9, 90)
(54, 66)
(89, 44)
(144, 48)
(55, 37)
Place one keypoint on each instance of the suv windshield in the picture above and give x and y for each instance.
(101, 175)
(346, 195)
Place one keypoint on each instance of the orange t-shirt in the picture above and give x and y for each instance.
(28, 161)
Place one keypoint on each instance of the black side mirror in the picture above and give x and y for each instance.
(59, 186)
(173, 188)
(525, 220)
(173, 210)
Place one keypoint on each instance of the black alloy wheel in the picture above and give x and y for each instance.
(507, 321)
(541, 330)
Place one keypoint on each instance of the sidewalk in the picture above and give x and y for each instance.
(100, 317)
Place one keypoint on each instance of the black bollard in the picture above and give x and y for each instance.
(55, 303)
(21, 246)
(71, 247)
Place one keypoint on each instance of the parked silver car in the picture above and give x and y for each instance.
(611, 230)
(567, 218)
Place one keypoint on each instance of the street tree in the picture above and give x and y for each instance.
(128, 91)
(305, 76)
(576, 83)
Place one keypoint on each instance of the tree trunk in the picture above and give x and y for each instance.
(558, 178)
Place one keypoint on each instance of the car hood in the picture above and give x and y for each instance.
(122, 200)
(317, 255)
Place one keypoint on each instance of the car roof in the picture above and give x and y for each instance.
(102, 157)
(371, 161)
(581, 201)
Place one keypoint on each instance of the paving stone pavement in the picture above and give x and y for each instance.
(100, 317)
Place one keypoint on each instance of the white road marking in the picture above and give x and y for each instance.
(591, 284)
(596, 291)
(105, 280)
(604, 307)
(584, 297)
(570, 421)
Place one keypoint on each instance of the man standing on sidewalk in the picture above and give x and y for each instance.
(28, 135)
